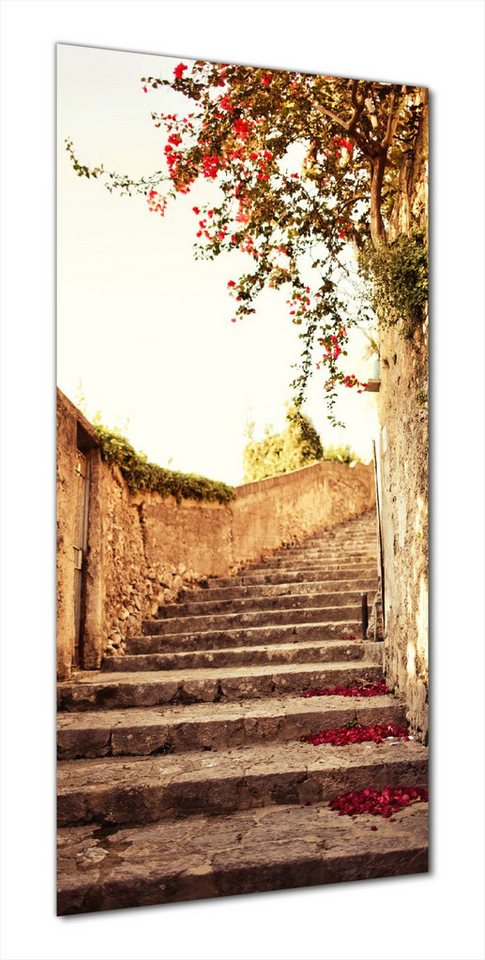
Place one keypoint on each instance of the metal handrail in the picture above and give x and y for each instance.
(379, 530)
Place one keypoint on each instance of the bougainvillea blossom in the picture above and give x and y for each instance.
(360, 733)
(361, 689)
(379, 803)
(179, 70)
(241, 130)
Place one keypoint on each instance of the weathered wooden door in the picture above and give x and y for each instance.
(80, 549)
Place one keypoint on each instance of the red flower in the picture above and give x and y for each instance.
(360, 689)
(242, 215)
(346, 144)
(231, 283)
(156, 204)
(179, 70)
(242, 128)
(196, 210)
(174, 138)
(342, 736)
(379, 803)
(211, 166)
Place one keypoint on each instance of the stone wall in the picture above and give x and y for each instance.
(285, 509)
(143, 548)
(403, 456)
(66, 516)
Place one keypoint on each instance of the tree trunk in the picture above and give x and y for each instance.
(377, 228)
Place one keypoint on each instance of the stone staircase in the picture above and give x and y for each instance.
(182, 773)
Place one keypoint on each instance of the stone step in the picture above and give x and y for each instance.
(287, 566)
(117, 790)
(294, 576)
(250, 603)
(208, 726)
(333, 549)
(271, 848)
(292, 573)
(251, 618)
(299, 652)
(341, 533)
(314, 560)
(321, 556)
(356, 543)
(92, 690)
(244, 637)
(239, 591)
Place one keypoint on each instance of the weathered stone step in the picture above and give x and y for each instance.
(294, 576)
(116, 790)
(251, 618)
(329, 543)
(333, 562)
(92, 690)
(270, 848)
(244, 637)
(364, 539)
(321, 556)
(237, 591)
(344, 532)
(208, 726)
(335, 552)
(277, 601)
(286, 567)
(290, 563)
(300, 652)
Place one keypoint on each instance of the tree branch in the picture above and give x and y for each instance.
(392, 120)
(358, 105)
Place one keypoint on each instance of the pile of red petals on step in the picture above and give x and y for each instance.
(360, 689)
(341, 736)
(380, 803)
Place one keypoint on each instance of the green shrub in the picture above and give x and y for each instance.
(340, 454)
(297, 446)
(399, 277)
(140, 474)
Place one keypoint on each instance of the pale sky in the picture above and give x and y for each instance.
(144, 327)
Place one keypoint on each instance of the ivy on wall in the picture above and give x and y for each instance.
(398, 274)
(140, 474)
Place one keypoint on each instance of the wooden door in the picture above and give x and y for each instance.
(80, 547)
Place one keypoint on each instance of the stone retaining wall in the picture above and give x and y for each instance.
(143, 548)
(403, 455)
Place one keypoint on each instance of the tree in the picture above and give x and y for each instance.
(297, 446)
(306, 165)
